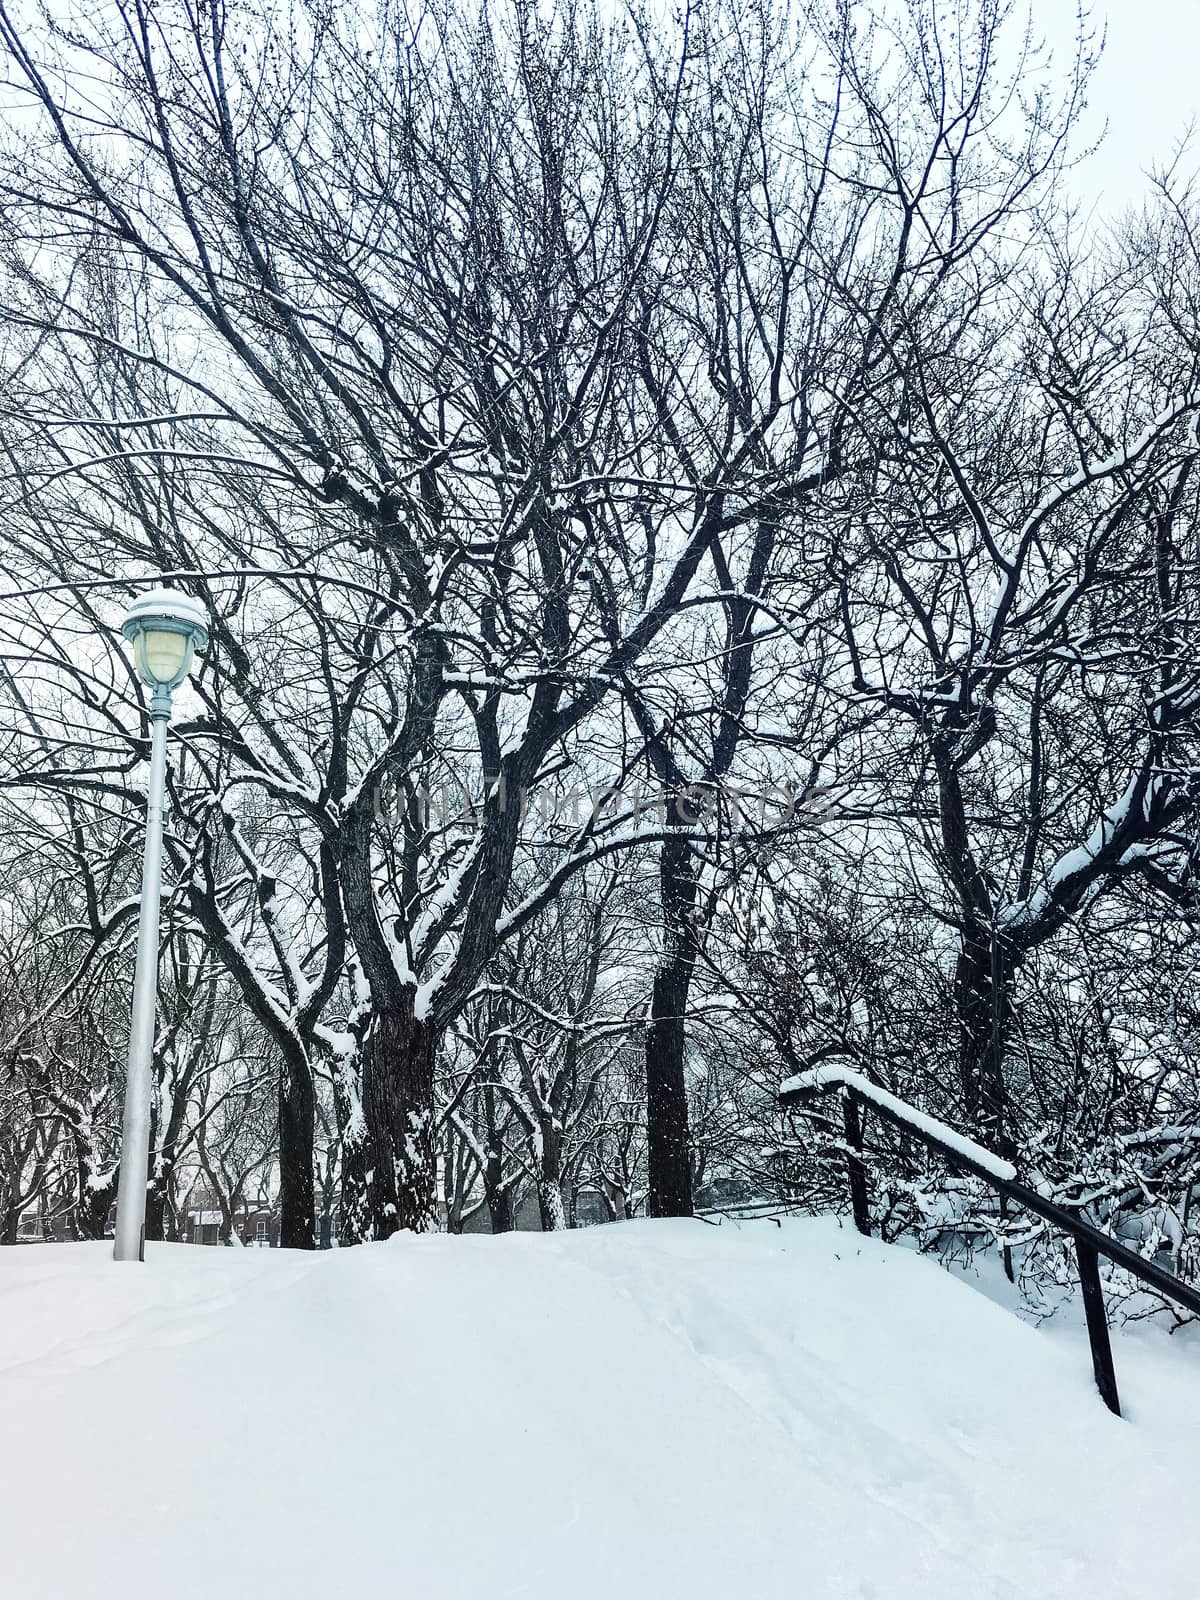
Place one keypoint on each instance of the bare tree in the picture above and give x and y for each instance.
(422, 347)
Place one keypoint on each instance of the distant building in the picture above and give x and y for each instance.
(255, 1222)
(720, 1192)
(589, 1210)
(37, 1228)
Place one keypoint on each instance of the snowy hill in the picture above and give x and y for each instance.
(659, 1409)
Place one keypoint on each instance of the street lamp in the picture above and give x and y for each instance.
(164, 629)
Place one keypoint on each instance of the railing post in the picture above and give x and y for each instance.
(1007, 1249)
(1097, 1324)
(859, 1203)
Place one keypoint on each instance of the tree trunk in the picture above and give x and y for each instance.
(496, 1192)
(394, 1159)
(398, 1057)
(983, 1005)
(666, 1095)
(156, 1209)
(549, 1190)
(498, 1195)
(94, 1203)
(666, 1088)
(297, 1197)
(982, 974)
(353, 1225)
(160, 1191)
(501, 1209)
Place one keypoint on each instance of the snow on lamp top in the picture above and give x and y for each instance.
(165, 628)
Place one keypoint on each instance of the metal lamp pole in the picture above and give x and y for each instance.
(165, 629)
(135, 1124)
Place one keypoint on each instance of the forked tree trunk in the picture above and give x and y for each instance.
(668, 1134)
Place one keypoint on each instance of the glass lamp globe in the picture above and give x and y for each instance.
(165, 629)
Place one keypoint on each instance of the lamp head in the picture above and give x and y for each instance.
(165, 629)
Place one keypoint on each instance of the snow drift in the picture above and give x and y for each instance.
(658, 1409)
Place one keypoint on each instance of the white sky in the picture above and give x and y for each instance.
(1147, 88)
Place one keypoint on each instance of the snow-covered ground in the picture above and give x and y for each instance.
(664, 1410)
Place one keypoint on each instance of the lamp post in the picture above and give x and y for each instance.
(164, 629)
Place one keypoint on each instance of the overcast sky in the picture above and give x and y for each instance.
(1147, 88)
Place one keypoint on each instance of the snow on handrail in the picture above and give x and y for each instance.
(1090, 1243)
(835, 1077)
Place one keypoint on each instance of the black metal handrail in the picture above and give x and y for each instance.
(1090, 1243)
